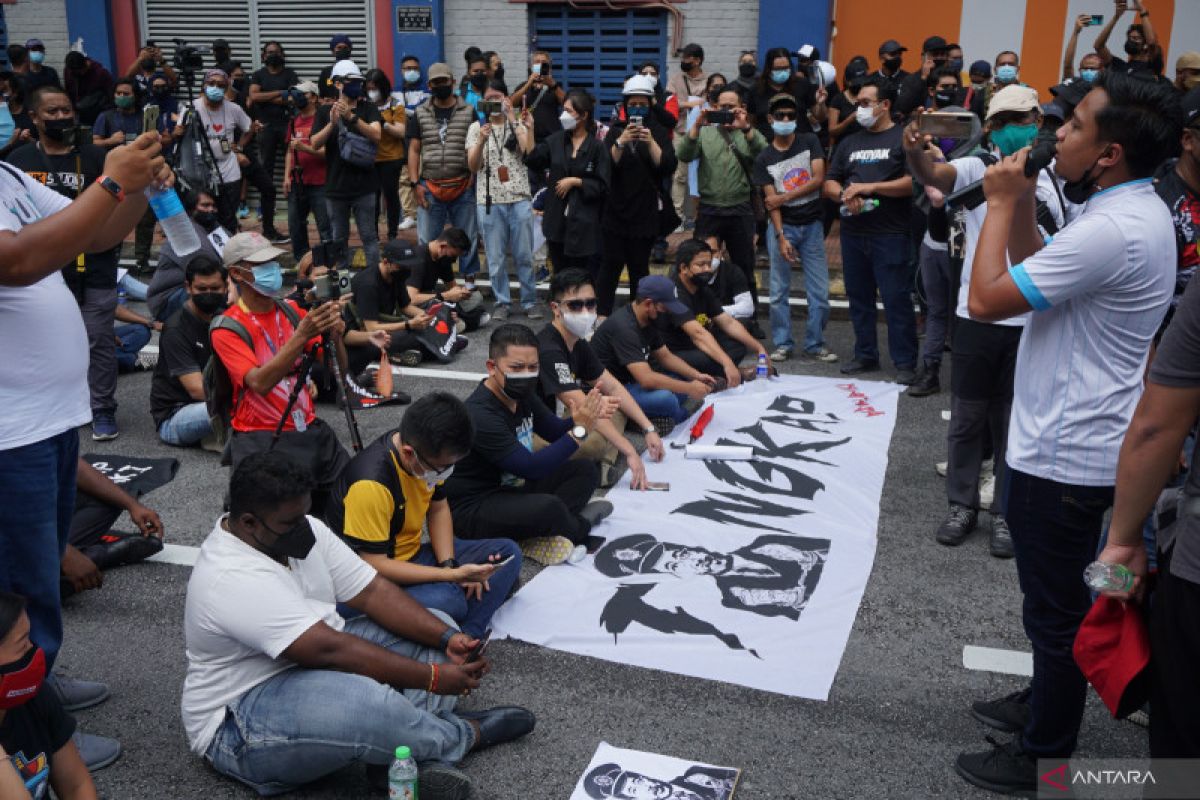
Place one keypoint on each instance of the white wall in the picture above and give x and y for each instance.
(988, 28)
(40, 19)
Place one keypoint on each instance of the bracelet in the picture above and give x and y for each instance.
(112, 187)
(433, 679)
(406, 325)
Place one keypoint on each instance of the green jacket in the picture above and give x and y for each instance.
(721, 178)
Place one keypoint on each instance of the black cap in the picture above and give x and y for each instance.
(1071, 92)
(934, 43)
(661, 289)
(397, 250)
(1191, 108)
(892, 46)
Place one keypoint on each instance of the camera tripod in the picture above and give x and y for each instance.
(195, 134)
(333, 362)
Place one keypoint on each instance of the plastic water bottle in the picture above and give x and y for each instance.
(764, 368)
(402, 776)
(175, 223)
(1102, 577)
(870, 204)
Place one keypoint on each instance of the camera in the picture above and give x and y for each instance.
(78, 136)
(489, 107)
(189, 57)
(719, 117)
(333, 284)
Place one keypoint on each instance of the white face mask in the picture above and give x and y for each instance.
(567, 121)
(375, 95)
(580, 324)
(865, 116)
(716, 262)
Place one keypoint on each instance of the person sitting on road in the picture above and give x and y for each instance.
(626, 341)
(570, 368)
(429, 263)
(393, 488)
(506, 488)
(281, 690)
(166, 293)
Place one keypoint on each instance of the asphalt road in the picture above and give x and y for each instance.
(895, 719)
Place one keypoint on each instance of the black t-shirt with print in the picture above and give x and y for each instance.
(620, 341)
(564, 370)
(183, 349)
(788, 170)
(32, 734)
(868, 157)
(343, 181)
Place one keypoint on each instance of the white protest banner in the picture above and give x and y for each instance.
(615, 772)
(748, 572)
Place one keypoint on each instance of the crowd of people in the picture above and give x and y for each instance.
(341, 599)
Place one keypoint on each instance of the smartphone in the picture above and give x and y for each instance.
(636, 122)
(498, 564)
(1097, 19)
(489, 107)
(947, 124)
(658, 486)
(150, 119)
(477, 653)
(718, 117)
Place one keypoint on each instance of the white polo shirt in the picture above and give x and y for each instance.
(1099, 291)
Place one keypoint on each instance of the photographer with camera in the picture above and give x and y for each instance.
(304, 172)
(270, 103)
(221, 118)
(150, 61)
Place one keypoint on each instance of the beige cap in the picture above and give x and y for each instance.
(250, 246)
(1189, 60)
(1013, 98)
(440, 70)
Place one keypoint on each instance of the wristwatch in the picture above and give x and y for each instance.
(112, 187)
(579, 433)
(649, 430)
(449, 563)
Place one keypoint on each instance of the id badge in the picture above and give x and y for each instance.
(298, 420)
(502, 173)
(226, 148)
(130, 137)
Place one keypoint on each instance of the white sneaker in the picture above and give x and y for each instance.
(940, 467)
(987, 491)
(408, 224)
(485, 319)
(578, 553)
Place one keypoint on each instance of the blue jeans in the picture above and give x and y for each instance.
(1055, 528)
(460, 213)
(509, 227)
(809, 243)
(659, 402)
(134, 289)
(870, 262)
(37, 493)
(132, 338)
(472, 616)
(300, 201)
(363, 208)
(175, 301)
(187, 426)
(304, 724)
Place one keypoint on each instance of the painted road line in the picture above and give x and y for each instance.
(179, 554)
(444, 374)
(992, 659)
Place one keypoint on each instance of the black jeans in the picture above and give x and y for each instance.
(621, 252)
(316, 448)
(700, 360)
(228, 200)
(546, 507)
(737, 232)
(559, 260)
(1055, 530)
(389, 191)
(272, 140)
(258, 177)
(1174, 654)
(362, 355)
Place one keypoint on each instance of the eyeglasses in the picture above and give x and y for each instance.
(430, 467)
(579, 305)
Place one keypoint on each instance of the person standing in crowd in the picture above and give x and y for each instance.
(687, 86)
(791, 171)
(121, 124)
(38, 73)
(726, 154)
(913, 90)
(1187, 72)
(438, 168)
(843, 104)
(505, 487)
(778, 77)
(88, 84)
(167, 293)
(342, 49)
(1143, 52)
(1177, 182)
(642, 161)
(394, 488)
(43, 383)
(149, 61)
(1008, 69)
(477, 81)
(891, 57)
(389, 160)
(1091, 63)
(412, 93)
(304, 174)
(748, 74)
(579, 173)
(1098, 292)
(543, 95)
(351, 125)
(222, 118)
(496, 153)
(177, 401)
(869, 182)
(270, 99)
(21, 127)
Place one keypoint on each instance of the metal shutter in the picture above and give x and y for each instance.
(198, 23)
(598, 50)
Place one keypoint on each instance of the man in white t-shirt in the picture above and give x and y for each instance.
(1098, 292)
(984, 357)
(281, 690)
(43, 375)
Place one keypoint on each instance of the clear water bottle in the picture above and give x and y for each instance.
(402, 776)
(1102, 577)
(764, 367)
(175, 223)
(870, 204)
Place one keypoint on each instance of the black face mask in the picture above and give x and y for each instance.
(206, 220)
(297, 542)
(442, 92)
(943, 99)
(955, 64)
(1132, 48)
(520, 388)
(274, 60)
(161, 94)
(746, 70)
(687, 66)
(146, 64)
(1079, 191)
(341, 53)
(210, 303)
(498, 73)
(892, 64)
(715, 95)
(239, 85)
(479, 81)
(58, 129)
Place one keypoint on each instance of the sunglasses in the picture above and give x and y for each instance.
(580, 305)
(784, 116)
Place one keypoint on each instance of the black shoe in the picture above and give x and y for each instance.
(906, 377)
(501, 724)
(275, 237)
(460, 344)
(1008, 714)
(958, 525)
(116, 550)
(928, 384)
(658, 253)
(1005, 768)
(857, 367)
(1000, 544)
(596, 511)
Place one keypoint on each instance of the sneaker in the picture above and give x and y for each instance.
(76, 695)
(97, 752)
(104, 427)
(460, 326)
(664, 425)
(1005, 768)
(906, 377)
(119, 550)
(941, 467)
(547, 550)
(1008, 714)
(543, 274)
(440, 781)
(1000, 544)
(410, 358)
(857, 367)
(535, 312)
(958, 525)
(1140, 717)
(146, 360)
(499, 725)
(460, 344)
(928, 384)
(824, 355)
(596, 511)
(987, 490)
(781, 354)
(408, 224)
(578, 553)
(275, 237)
(243, 211)
(485, 319)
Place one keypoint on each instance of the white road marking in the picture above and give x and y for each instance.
(445, 374)
(992, 659)
(179, 554)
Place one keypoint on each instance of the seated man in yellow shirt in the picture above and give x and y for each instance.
(390, 489)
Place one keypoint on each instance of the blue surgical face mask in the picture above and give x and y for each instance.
(412, 75)
(784, 127)
(637, 111)
(1012, 138)
(214, 93)
(268, 278)
(1089, 75)
(780, 76)
(1006, 73)
(37, 56)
